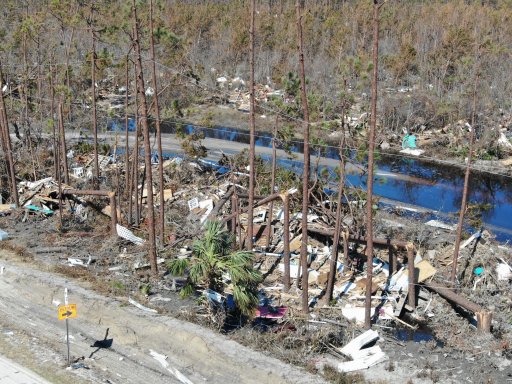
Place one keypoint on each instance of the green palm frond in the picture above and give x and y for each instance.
(212, 257)
(177, 267)
(246, 299)
(241, 257)
(198, 272)
(187, 291)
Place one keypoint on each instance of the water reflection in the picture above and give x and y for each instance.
(428, 185)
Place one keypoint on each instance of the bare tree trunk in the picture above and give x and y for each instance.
(286, 242)
(305, 175)
(25, 85)
(272, 182)
(337, 226)
(7, 143)
(161, 217)
(239, 230)
(252, 144)
(39, 83)
(371, 148)
(147, 148)
(28, 135)
(59, 184)
(136, 152)
(128, 193)
(412, 276)
(68, 78)
(96, 177)
(465, 190)
(63, 145)
(52, 111)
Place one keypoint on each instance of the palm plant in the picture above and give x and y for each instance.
(212, 258)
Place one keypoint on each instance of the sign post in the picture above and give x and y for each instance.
(67, 311)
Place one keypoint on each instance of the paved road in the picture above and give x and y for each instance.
(12, 373)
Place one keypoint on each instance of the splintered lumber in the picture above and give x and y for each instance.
(109, 194)
(360, 239)
(483, 317)
(227, 196)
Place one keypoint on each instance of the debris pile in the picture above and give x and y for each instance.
(409, 283)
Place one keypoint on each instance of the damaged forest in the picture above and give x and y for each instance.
(319, 191)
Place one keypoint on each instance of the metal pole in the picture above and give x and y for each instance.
(67, 341)
(67, 327)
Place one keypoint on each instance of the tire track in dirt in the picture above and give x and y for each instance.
(186, 351)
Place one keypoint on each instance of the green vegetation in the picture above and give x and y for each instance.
(435, 48)
(213, 259)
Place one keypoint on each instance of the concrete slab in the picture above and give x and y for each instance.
(13, 373)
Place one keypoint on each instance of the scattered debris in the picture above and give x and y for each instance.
(3, 235)
(141, 307)
(126, 234)
(162, 359)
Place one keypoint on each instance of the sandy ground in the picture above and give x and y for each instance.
(183, 352)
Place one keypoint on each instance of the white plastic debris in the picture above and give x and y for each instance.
(361, 358)
(193, 203)
(208, 204)
(162, 359)
(141, 307)
(79, 262)
(126, 234)
(504, 272)
(3, 235)
(440, 224)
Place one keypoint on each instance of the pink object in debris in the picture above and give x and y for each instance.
(271, 312)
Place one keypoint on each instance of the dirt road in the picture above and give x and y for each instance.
(145, 347)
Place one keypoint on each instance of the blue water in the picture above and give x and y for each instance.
(434, 187)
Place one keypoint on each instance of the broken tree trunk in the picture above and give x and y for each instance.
(7, 143)
(135, 155)
(64, 151)
(382, 243)
(161, 216)
(286, 242)
(272, 182)
(127, 148)
(215, 211)
(305, 174)
(234, 218)
(412, 276)
(346, 235)
(337, 225)
(371, 148)
(252, 142)
(147, 148)
(94, 118)
(94, 192)
(464, 192)
(484, 317)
